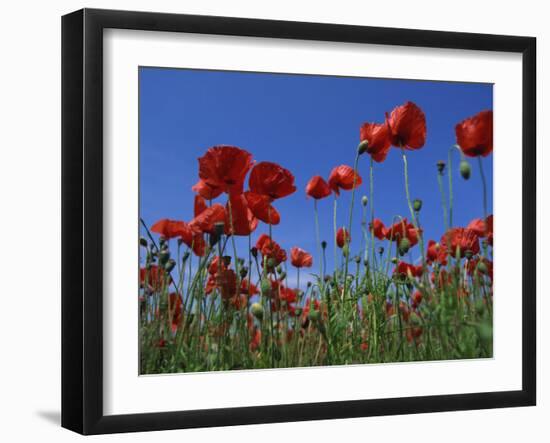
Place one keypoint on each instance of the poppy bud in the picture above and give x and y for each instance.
(265, 287)
(282, 276)
(345, 250)
(381, 250)
(365, 200)
(243, 271)
(162, 241)
(468, 254)
(143, 242)
(327, 278)
(324, 244)
(394, 260)
(440, 166)
(271, 263)
(482, 267)
(170, 264)
(254, 252)
(313, 315)
(417, 204)
(185, 257)
(363, 146)
(218, 228)
(366, 263)
(279, 269)
(257, 311)
(164, 255)
(404, 245)
(226, 260)
(357, 259)
(298, 311)
(465, 169)
(309, 284)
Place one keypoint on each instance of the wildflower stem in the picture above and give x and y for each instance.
(319, 247)
(484, 182)
(371, 191)
(347, 238)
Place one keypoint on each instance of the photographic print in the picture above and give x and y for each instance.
(291, 220)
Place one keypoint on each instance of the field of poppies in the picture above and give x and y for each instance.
(207, 305)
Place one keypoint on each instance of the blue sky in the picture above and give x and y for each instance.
(308, 124)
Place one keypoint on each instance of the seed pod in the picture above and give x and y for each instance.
(265, 287)
(357, 259)
(482, 267)
(257, 311)
(417, 204)
(465, 169)
(345, 250)
(404, 245)
(279, 269)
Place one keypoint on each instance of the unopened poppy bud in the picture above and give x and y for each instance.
(271, 262)
(162, 241)
(254, 252)
(279, 269)
(366, 263)
(394, 260)
(404, 245)
(309, 284)
(327, 278)
(218, 229)
(282, 276)
(365, 200)
(417, 205)
(468, 254)
(164, 255)
(363, 146)
(313, 315)
(170, 264)
(243, 271)
(185, 257)
(465, 169)
(226, 260)
(324, 244)
(357, 259)
(298, 311)
(143, 242)
(257, 311)
(345, 250)
(265, 287)
(440, 166)
(381, 250)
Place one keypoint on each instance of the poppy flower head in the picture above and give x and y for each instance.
(271, 251)
(378, 140)
(225, 167)
(261, 207)
(480, 266)
(343, 177)
(300, 258)
(169, 228)
(225, 280)
(248, 288)
(205, 221)
(474, 135)
(239, 219)
(403, 229)
(433, 252)
(478, 226)
(152, 277)
(489, 223)
(176, 307)
(342, 237)
(407, 125)
(317, 188)
(206, 191)
(458, 241)
(271, 179)
(404, 269)
(378, 228)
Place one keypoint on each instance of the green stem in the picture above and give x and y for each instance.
(350, 223)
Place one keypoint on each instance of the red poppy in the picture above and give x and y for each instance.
(475, 134)
(343, 177)
(169, 228)
(287, 295)
(474, 268)
(408, 126)
(225, 167)
(489, 222)
(364, 346)
(308, 305)
(206, 191)
(205, 221)
(176, 307)
(261, 207)
(478, 226)
(433, 253)
(342, 237)
(248, 288)
(407, 269)
(271, 179)
(300, 258)
(153, 277)
(216, 261)
(378, 138)
(461, 240)
(242, 218)
(317, 188)
(405, 311)
(199, 205)
(416, 299)
(441, 279)
(378, 228)
(195, 240)
(225, 280)
(403, 229)
(271, 250)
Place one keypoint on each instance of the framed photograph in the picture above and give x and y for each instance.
(269, 221)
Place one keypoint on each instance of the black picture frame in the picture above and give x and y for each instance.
(82, 220)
